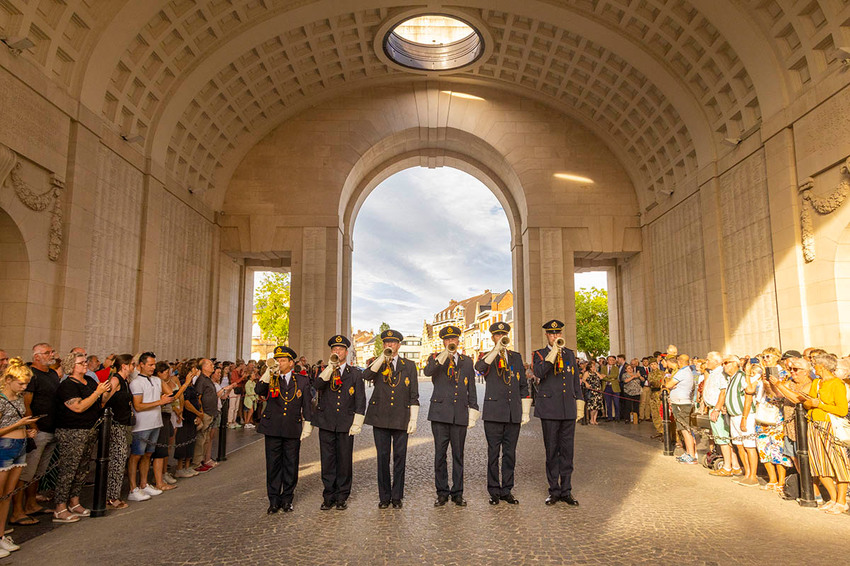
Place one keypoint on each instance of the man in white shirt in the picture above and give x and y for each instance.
(147, 400)
(681, 386)
(714, 395)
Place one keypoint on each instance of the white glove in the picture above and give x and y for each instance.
(526, 411)
(473, 417)
(376, 365)
(327, 373)
(414, 414)
(306, 429)
(442, 357)
(497, 349)
(579, 408)
(267, 375)
(357, 425)
(552, 355)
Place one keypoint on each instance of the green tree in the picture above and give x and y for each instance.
(592, 322)
(272, 304)
(379, 346)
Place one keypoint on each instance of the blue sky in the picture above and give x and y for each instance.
(423, 237)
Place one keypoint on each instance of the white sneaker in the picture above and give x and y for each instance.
(6, 543)
(181, 473)
(168, 478)
(4, 553)
(151, 490)
(250, 425)
(138, 495)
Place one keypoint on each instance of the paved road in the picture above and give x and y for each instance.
(636, 507)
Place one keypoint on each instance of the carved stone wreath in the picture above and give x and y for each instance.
(10, 167)
(821, 205)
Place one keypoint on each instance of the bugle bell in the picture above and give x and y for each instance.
(388, 353)
(452, 347)
(560, 342)
(333, 360)
(504, 341)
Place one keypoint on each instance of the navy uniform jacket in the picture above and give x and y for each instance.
(557, 392)
(389, 406)
(452, 397)
(502, 400)
(335, 409)
(283, 414)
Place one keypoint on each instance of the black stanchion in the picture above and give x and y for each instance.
(807, 489)
(101, 469)
(669, 441)
(222, 433)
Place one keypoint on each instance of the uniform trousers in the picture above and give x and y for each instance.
(391, 487)
(501, 440)
(445, 434)
(336, 449)
(281, 468)
(655, 410)
(558, 439)
(644, 411)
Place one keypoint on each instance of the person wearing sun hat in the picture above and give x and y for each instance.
(454, 407)
(507, 406)
(285, 422)
(555, 366)
(339, 414)
(393, 410)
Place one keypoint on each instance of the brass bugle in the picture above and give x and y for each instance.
(560, 342)
(504, 341)
(452, 347)
(388, 353)
(334, 360)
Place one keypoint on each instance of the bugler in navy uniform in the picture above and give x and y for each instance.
(392, 411)
(555, 367)
(285, 422)
(339, 415)
(507, 406)
(454, 408)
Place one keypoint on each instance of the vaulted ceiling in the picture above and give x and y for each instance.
(662, 81)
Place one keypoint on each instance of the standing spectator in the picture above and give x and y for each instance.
(188, 419)
(237, 378)
(792, 390)
(632, 386)
(79, 410)
(120, 400)
(163, 481)
(714, 396)
(591, 379)
(612, 389)
(251, 399)
(829, 460)
(40, 399)
(147, 400)
(209, 404)
(13, 439)
(681, 386)
(656, 384)
(644, 413)
(771, 436)
(742, 422)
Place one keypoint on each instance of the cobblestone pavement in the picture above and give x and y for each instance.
(637, 506)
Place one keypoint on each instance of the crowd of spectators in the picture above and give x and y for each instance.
(162, 412)
(746, 405)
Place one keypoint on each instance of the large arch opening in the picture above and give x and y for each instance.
(14, 285)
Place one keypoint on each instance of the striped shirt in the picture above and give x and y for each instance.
(735, 394)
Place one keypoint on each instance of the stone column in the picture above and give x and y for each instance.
(550, 284)
(615, 320)
(715, 280)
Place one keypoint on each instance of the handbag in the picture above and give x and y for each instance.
(768, 414)
(31, 445)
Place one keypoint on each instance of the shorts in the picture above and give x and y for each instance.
(682, 416)
(13, 453)
(144, 442)
(735, 430)
(720, 429)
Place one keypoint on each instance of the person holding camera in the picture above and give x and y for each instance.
(681, 386)
(742, 421)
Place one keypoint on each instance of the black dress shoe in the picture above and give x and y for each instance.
(510, 499)
(272, 509)
(494, 500)
(288, 508)
(440, 501)
(551, 500)
(570, 500)
(342, 505)
(396, 503)
(326, 505)
(459, 500)
(383, 504)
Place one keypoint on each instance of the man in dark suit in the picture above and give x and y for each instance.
(507, 406)
(454, 407)
(559, 389)
(392, 411)
(339, 415)
(285, 422)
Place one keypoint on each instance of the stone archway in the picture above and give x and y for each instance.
(14, 286)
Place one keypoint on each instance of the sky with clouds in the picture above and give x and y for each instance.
(423, 237)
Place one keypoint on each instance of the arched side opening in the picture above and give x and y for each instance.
(14, 286)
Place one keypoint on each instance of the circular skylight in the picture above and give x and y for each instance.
(433, 43)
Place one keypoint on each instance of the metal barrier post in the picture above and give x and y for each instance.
(807, 490)
(222, 433)
(101, 469)
(669, 441)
